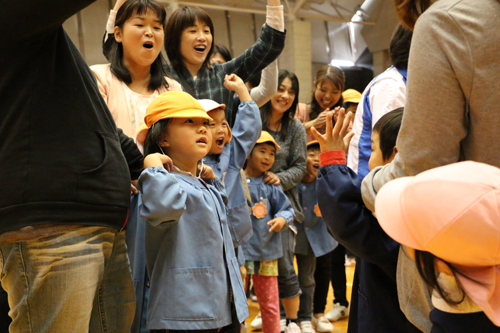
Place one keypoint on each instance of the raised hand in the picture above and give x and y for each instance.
(338, 137)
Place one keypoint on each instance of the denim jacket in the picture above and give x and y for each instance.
(189, 253)
(265, 245)
(312, 231)
(227, 166)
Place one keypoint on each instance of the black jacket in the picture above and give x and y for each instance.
(61, 159)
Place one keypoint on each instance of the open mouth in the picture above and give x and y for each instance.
(220, 142)
(316, 167)
(148, 45)
(202, 140)
(200, 48)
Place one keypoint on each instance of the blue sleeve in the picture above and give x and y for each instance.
(246, 131)
(281, 206)
(163, 198)
(352, 224)
(267, 48)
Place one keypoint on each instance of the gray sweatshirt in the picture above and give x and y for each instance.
(452, 109)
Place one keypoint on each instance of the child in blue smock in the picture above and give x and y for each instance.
(189, 252)
(229, 151)
(313, 240)
(271, 211)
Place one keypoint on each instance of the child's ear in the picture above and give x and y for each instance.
(163, 142)
(394, 150)
(118, 34)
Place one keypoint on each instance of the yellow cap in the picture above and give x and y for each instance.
(351, 96)
(313, 142)
(172, 104)
(266, 137)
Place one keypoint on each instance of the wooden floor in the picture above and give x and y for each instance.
(338, 326)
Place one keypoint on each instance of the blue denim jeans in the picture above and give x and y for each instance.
(73, 281)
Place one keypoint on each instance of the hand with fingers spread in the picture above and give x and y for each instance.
(338, 137)
(276, 224)
(271, 178)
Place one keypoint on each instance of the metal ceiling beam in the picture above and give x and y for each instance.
(263, 12)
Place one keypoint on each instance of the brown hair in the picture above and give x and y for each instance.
(181, 19)
(409, 10)
(334, 74)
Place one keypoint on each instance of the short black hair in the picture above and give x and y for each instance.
(400, 47)
(387, 128)
(155, 133)
(223, 51)
(181, 19)
(157, 69)
(313, 146)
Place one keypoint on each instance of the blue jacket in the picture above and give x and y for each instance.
(374, 301)
(189, 253)
(265, 245)
(312, 231)
(227, 166)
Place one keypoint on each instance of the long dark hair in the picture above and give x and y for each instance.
(267, 109)
(400, 46)
(181, 19)
(409, 10)
(151, 143)
(337, 77)
(157, 70)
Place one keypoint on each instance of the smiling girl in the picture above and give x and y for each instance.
(288, 169)
(326, 96)
(136, 73)
(189, 42)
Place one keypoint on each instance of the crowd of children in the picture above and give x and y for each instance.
(226, 190)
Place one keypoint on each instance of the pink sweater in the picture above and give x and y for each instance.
(127, 107)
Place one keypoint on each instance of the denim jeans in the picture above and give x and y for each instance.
(73, 281)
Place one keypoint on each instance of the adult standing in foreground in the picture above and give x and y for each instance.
(63, 258)
(452, 108)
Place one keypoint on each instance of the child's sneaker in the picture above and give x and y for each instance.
(306, 327)
(322, 324)
(337, 312)
(292, 328)
(282, 325)
(256, 323)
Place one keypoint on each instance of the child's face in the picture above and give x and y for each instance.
(187, 139)
(327, 94)
(376, 158)
(352, 108)
(262, 157)
(141, 38)
(219, 129)
(196, 42)
(313, 164)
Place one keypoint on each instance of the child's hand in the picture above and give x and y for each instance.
(234, 83)
(335, 138)
(156, 160)
(276, 224)
(271, 179)
(207, 173)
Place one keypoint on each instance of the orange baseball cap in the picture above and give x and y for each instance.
(313, 142)
(452, 212)
(266, 137)
(210, 105)
(172, 104)
(351, 96)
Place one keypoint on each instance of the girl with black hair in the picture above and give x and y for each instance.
(136, 74)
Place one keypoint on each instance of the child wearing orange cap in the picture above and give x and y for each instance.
(189, 252)
(272, 211)
(374, 301)
(448, 218)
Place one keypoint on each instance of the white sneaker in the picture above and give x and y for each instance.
(337, 312)
(292, 328)
(256, 323)
(282, 325)
(306, 327)
(322, 324)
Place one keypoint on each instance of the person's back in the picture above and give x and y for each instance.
(66, 180)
